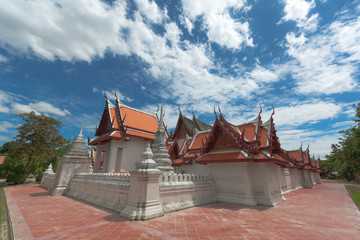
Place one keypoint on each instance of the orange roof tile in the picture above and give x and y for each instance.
(2, 159)
(139, 120)
(263, 137)
(199, 140)
(249, 131)
(141, 134)
(296, 155)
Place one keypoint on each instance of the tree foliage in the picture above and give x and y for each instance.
(37, 144)
(345, 155)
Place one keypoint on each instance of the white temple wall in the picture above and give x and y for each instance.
(233, 182)
(312, 177)
(103, 148)
(132, 153)
(289, 187)
(197, 169)
(107, 190)
(120, 156)
(266, 184)
(282, 179)
(305, 179)
(295, 179)
(179, 191)
(317, 178)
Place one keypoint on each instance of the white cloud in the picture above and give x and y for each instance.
(5, 125)
(3, 59)
(319, 141)
(4, 138)
(221, 27)
(68, 30)
(298, 10)
(343, 125)
(188, 24)
(38, 108)
(302, 113)
(81, 31)
(171, 114)
(111, 96)
(150, 10)
(260, 74)
(45, 107)
(19, 108)
(327, 62)
(4, 98)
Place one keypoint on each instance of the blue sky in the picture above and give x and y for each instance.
(302, 57)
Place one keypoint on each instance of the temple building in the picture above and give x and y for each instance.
(245, 161)
(122, 134)
(142, 172)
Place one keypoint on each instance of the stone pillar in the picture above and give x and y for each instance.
(76, 160)
(143, 201)
(161, 155)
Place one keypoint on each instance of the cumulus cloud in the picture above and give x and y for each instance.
(319, 141)
(298, 10)
(221, 27)
(111, 96)
(150, 10)
(326, 62)
(68, 30)
(261, 74)
(301, 113)
(39, 108)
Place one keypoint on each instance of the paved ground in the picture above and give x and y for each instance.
(326, 212)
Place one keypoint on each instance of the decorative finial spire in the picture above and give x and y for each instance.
(260, 109)
(215, 112)
(81, 130)
(161, 121)
(272, 114)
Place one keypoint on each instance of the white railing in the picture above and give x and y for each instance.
(104, 178)
(175, 178)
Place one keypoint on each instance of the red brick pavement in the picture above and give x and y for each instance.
(325, 212)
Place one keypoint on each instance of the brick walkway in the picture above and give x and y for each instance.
(326, 212)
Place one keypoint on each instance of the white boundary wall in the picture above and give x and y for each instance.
(179, 191)
(107, 190)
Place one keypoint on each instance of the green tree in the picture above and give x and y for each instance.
(345, 155)
(38, 142)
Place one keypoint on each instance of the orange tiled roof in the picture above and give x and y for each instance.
(249, 131)
(2, 159)
(199, 140)
(296, 155)
(139, 120)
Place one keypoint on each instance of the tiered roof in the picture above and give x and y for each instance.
(120, 121)
(253, 141)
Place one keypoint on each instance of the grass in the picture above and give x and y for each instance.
(3, 215)
(354, 192)
(337, 181)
